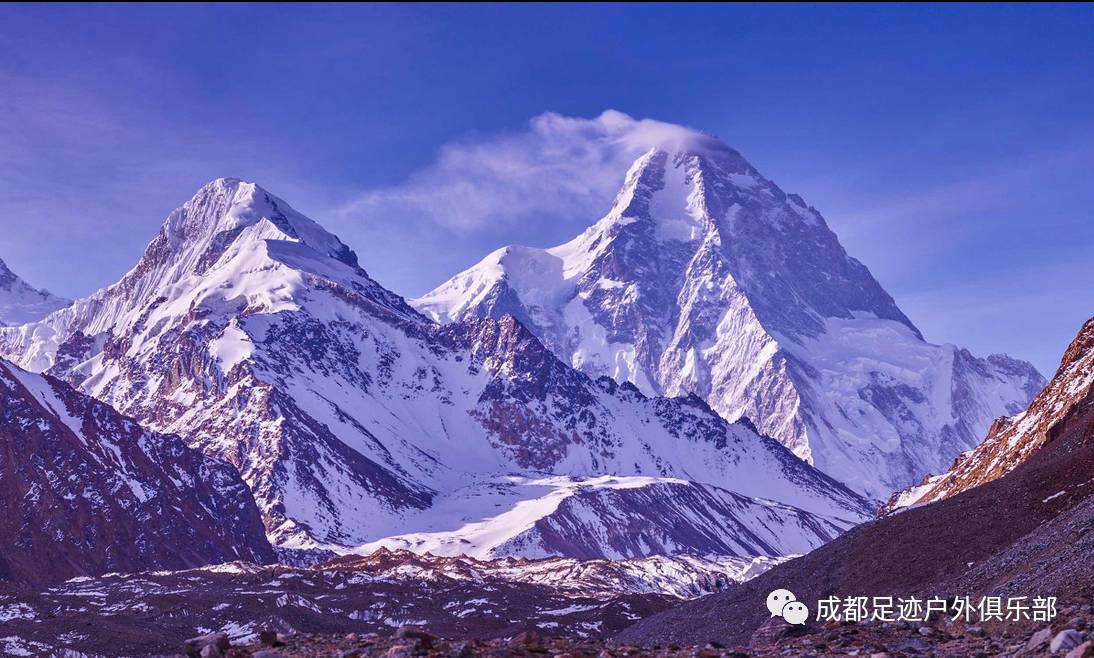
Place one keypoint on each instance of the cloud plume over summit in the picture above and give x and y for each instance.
(559, 166)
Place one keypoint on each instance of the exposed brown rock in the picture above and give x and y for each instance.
(1025, 533)
(1011, 441)
(85, 490)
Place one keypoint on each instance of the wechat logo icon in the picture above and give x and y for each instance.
(782, 603)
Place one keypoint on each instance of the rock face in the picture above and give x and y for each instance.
(1012, 440)
(254, 334)
(1025, 534)
(20, 303)
(706, 278)
(85, 490)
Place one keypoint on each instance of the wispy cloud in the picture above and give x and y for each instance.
(964, 234)
(558, 166)
(1033, 313)
(80, 168)
(989, 188)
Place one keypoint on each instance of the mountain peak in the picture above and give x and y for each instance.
(705, 277)
(693, 211)
(230, 223)
(640, 134)
(21, 303)
(708, 182)
(225, 207)
(233, 243)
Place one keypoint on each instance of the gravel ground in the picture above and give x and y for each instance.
(1068, 636)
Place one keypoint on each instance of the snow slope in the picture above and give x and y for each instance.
(607, 517)
(20, 303)
(706, 278)
(253, 333)
(1011, 441)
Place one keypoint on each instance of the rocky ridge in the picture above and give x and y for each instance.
(85, 490)
(1011, 440)
(254, 334)
(21, 303)
(706, 278)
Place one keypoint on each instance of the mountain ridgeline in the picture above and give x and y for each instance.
(705, 278)
(254, 334)
(704, 371)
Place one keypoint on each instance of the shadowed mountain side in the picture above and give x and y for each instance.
(1024, 534)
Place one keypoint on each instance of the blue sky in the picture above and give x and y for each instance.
(950, 147)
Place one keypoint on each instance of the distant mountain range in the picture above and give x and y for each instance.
(702, 372)
(21, 303)
(1011, 441)
(251, 332)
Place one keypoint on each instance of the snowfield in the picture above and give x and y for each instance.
(20, 303)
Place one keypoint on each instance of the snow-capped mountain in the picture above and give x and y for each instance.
(20, 303)
(252, 332)
(706, 278)
(1068, 397)
(86, 491)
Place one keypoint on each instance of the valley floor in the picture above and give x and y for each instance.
(1070, 635)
